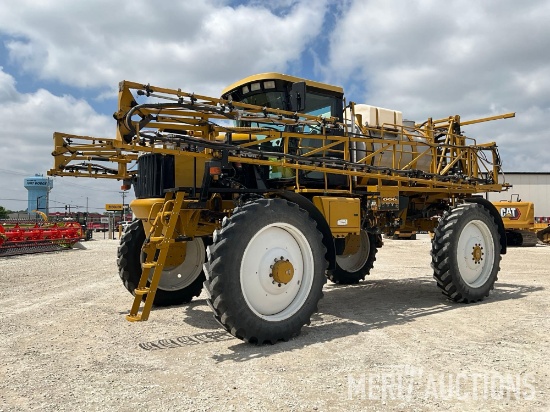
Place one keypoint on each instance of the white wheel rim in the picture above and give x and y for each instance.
(179, 277)
(263, 296)
(475, 236)
(353, 263)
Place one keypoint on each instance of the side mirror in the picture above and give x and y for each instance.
(298, 97)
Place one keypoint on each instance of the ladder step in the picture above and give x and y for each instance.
(141, 291)
(162, 237)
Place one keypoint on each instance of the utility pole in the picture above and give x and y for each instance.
(123, 211)
(37, 206)
(47, 211)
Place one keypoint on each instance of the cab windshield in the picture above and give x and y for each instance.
(272, 100)
(318, 105)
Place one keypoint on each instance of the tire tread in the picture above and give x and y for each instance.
(444, 235)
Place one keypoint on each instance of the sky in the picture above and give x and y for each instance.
(61, 61)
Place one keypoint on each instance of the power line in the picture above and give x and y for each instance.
(15, 173)
(82, 186)
(64, 183)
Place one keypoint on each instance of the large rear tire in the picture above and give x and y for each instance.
(265, 271)
(351, 269)
(178, 284)
(466, 253)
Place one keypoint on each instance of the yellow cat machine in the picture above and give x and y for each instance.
(520, 224)
(261, 195)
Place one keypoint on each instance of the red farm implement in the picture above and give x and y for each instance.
(27, 237)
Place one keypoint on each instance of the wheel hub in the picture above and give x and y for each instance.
(275, 246)
(182, 266)
(477, 253)
(282, 271)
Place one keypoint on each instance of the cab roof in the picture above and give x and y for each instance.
(285, 77)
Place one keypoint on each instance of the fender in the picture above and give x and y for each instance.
(496, 215)
(316, 215)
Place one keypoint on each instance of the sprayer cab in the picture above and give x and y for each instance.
(278, 91)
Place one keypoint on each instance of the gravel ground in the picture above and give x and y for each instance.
(390, 343)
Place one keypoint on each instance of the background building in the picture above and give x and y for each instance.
(531, 187)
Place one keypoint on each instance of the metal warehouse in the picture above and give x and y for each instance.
(530, 187)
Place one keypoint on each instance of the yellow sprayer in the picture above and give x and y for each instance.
(263, 194)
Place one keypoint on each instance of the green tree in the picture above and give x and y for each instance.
(3, 213)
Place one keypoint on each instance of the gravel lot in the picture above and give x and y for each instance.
(390, 343)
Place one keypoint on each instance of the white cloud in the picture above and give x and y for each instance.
(7, 87)
(469, 58)
(26, 139)
(197, 46)
(424, 58)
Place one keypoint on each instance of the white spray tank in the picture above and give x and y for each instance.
(387, 124)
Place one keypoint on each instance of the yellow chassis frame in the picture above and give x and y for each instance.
(201, 119)
(200, 124)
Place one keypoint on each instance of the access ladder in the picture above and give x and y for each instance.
(156, 248)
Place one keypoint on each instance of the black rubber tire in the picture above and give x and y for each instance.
(129, 265)
(398, 237)
(223, 271)
(544, 235)
(528, 238)
(445, 254)
(513, 238)
(346, 277)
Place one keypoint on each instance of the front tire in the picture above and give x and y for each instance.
(466, 253)
(266, 271)
(351, 269)
(178, 284)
